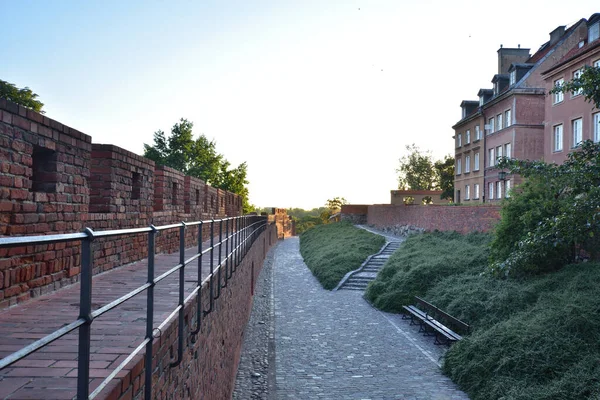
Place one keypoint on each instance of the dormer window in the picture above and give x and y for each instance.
(593, 32)
(480, 101)
(513, 77)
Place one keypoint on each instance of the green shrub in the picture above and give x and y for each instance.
(332, 250)
(422, 262)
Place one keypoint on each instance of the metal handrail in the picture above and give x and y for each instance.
(244, 231)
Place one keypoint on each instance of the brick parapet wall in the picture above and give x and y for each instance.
(463, 219)
(210, 360)
(54, 180)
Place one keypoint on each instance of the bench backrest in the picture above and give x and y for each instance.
(442, 316)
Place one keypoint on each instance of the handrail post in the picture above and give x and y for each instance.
(149, 314)
(226, 252)
(181, 293)
(199, 284)
(219, 265)
(212, 261)
(85, 312)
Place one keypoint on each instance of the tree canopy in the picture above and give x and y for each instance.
(198, 158)
(553, 218)
(24, 97)
(418, 171)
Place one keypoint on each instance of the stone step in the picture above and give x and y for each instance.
(351, 288)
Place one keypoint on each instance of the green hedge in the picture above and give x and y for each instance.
(533, 338)
(330, 251)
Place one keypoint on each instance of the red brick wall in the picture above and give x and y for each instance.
(54, 180)
(462, 219)
(210, 362)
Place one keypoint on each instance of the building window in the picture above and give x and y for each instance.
(596, 119)
(499, 119)
(467, 193)
(576, 75)
(477, 132)
(458, 166)
(507, 121)
(597, 64)
(467, 164)
(499, 189)
(507, 189)
(577, 136)
(491, 158)
(498, 152)
(491, 124)
(559, 96)
(558, 138)
(508, 150)
(476, 162)
(593, 32)
(513, 77)
(476, 191)
(459, 140)
(491, 190)
(468, 137)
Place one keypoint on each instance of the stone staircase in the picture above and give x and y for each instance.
(360, 278)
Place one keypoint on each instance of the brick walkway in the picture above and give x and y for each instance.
(334, 345)
(51, 372)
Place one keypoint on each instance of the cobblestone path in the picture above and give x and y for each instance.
(334, 345)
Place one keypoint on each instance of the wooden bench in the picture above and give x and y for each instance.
(429, 316)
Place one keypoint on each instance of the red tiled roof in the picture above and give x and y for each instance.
(574, 53)
(545, 48)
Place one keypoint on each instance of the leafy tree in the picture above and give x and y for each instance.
(335, 204)
(554, 217)
(199, 158)
(24, 97)
(588, 82)
(416, 170)
(445, 176)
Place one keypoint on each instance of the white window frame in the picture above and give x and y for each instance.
(593, 32)
(499, 189)
(498, 153)
(577, 74)
(499, 121)
(507, 117)
(476, 191)
(467, 164)
(491, 190)
(459, 139)
(597, 63)
(508, 150)
(559, 96)
(558, 138)
(507, 189)
(492, 124)
(467, 192)
(513, 77)
(576, 128)
(468, 136)
(476, 161)
(459, 166)
(491, 157)
(477, 132)
(596, 129)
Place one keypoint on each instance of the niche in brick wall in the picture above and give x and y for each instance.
(136, 185)
(197, 197)
(174, 198)
(45, 174)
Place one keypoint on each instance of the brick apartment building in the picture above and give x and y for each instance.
(569, 118)
(510, 118)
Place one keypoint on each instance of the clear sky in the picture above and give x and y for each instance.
(319, 97)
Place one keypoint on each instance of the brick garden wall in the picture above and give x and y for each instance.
(462, 219)
(53, 180)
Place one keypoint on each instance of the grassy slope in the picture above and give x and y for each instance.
(332, 250)
(535, 338)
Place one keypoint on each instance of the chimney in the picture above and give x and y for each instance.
(508, 56)
(556, 34)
